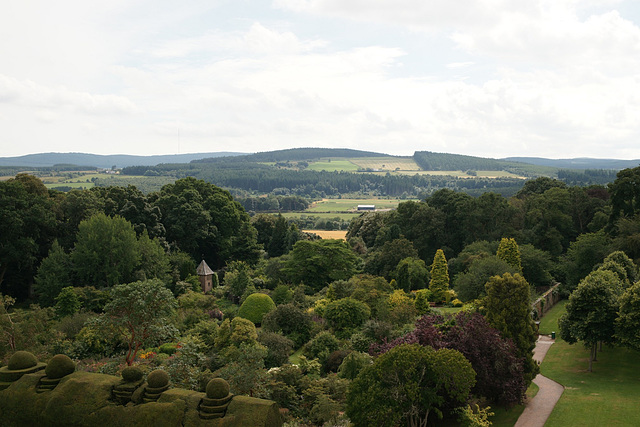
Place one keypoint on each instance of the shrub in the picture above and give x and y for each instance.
(353, 364)
(207, 330)
(59, 366)
(282, 294)
(70, 326)
(422, 301)
(67, 302)
(132, 374)
(168, 348)
(279, 348)
(322, 346)
(22, 360)
(346, 314)
(217, 388)
(255, 307)
(291, 321)
(334, 360)
(158, 378)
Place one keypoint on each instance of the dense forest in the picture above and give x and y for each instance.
(315, 324)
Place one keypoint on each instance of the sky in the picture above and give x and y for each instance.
(489, 78)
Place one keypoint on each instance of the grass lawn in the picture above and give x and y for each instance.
(294, 359)
(549, 322)
(608, 396)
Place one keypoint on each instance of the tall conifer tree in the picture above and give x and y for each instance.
(439, 283)
(510, 252)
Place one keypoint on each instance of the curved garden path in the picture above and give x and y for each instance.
(540, 407)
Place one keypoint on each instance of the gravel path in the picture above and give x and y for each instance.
(540, 407)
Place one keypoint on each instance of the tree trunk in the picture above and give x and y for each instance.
(2, 272)
(593, 347)
(595, 352)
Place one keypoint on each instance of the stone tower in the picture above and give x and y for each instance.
(205, 274)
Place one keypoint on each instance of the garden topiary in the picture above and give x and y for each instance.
(59, 366)
(255, 307)
(158, 379)
(132, 374)
(22, 360)
(217, 388)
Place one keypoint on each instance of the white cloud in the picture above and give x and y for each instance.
(548, 78)
(29, 94)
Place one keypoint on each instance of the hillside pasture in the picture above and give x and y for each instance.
(333, 165)
(351, 205)
(387, 163)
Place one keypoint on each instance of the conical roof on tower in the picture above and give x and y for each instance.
(204, 270)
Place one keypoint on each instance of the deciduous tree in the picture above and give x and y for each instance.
(106, 251)
(591, 311)
(408, 383)
(142, 312)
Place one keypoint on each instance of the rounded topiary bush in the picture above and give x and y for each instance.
(255, 307)
(132, 374)
(217, 388)
(59, 366)
(22, 360)
(158, 378)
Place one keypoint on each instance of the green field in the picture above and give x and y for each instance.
(346, 205)
(608, 396)
(333, 165)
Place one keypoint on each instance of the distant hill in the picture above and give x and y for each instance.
(299, 154)
(104, 161)
(578, 163)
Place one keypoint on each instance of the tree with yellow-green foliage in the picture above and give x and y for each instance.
(439, 283)
(510, 253)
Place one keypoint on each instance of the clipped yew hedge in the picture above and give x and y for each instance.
(255, 307)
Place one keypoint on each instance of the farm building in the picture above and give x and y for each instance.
(366, 207)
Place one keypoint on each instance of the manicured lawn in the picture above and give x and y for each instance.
(294, 359)
(608, 396)
(549, 322)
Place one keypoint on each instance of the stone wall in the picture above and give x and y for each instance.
(546, 301)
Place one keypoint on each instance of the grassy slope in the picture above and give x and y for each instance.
(607, 396)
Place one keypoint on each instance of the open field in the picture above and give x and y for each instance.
(387, 163)
(329, 234)
(332, 165)
(608, 396)
(346, 205)
(458, 174)
(549, 322)
(321, 215)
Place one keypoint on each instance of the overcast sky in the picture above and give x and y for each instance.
(491, 78)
